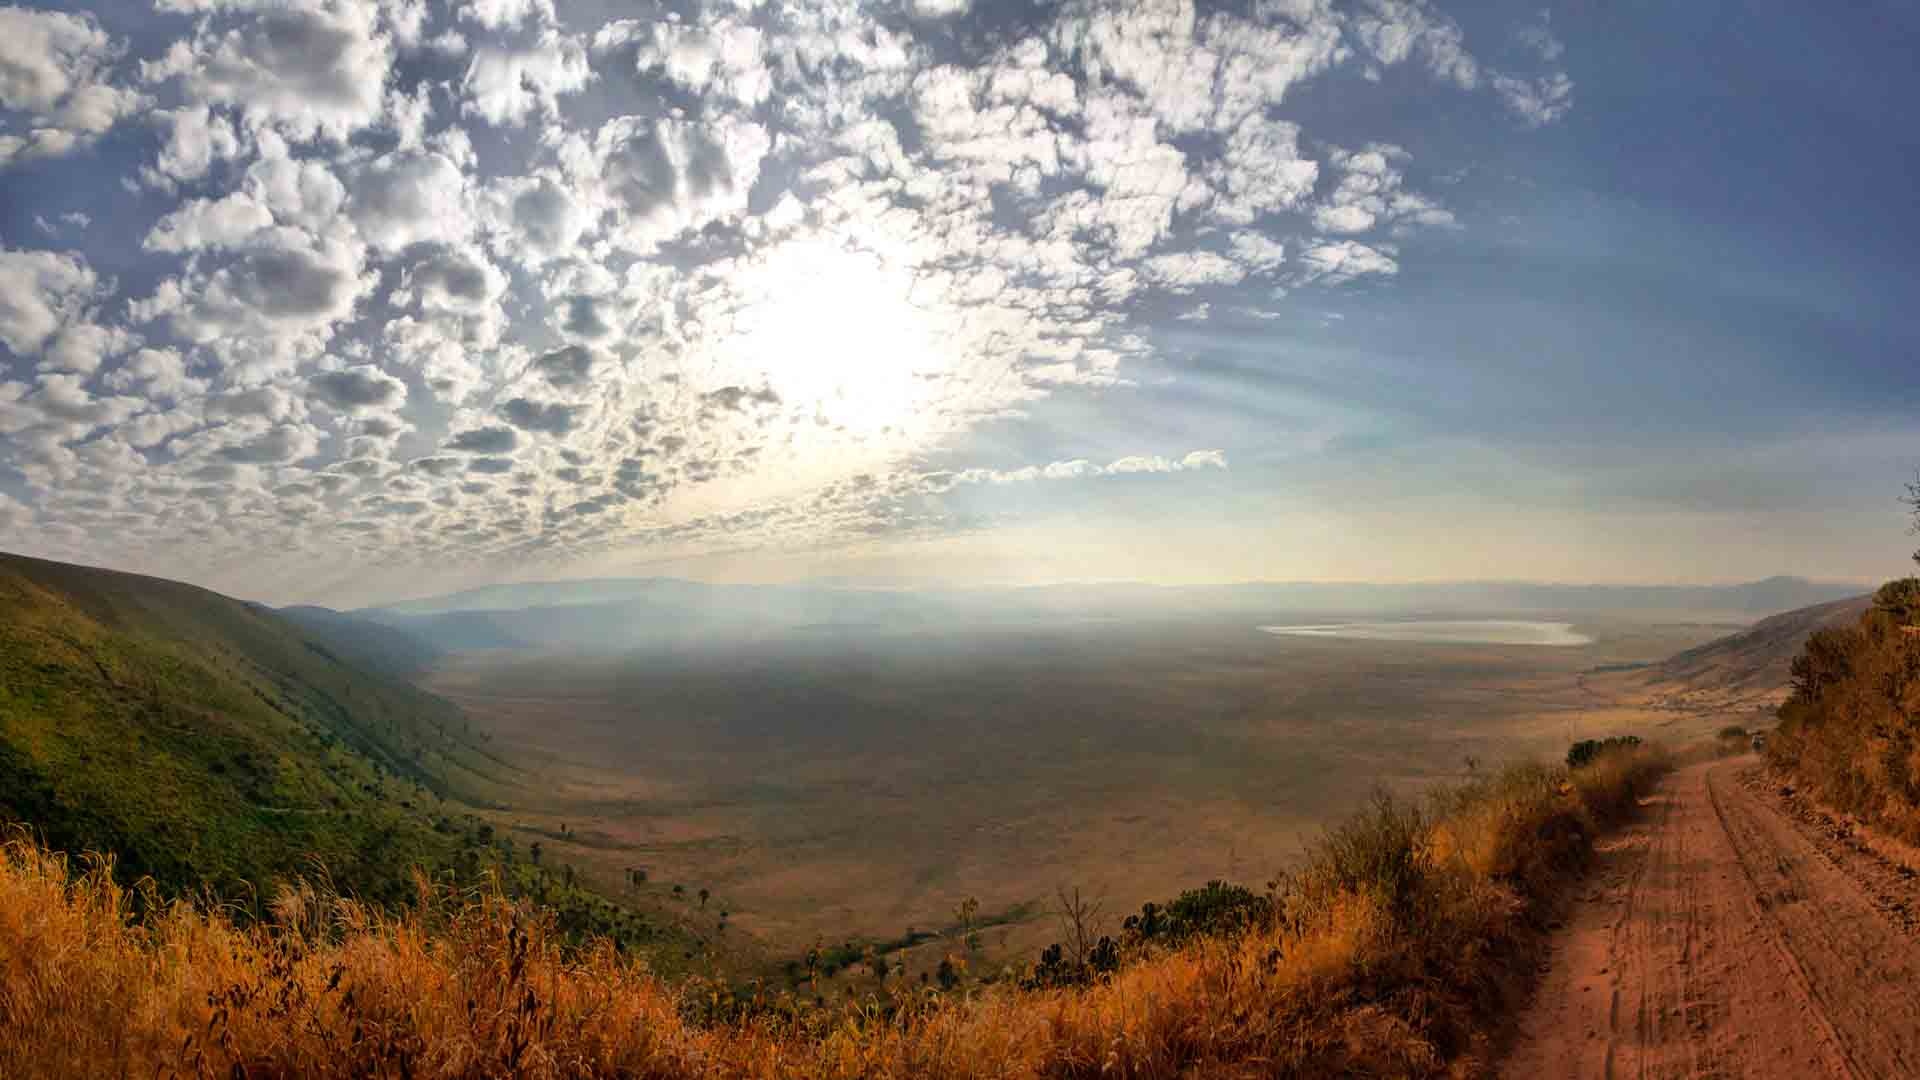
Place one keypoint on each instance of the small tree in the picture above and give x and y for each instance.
(1912, 499)
(703, 898)
(1077, 914)
(964, 915)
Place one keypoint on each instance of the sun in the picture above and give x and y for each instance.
(836, 332)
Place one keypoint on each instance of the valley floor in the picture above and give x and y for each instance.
(1732, 932)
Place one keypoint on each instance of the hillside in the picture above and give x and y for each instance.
(365, 643)
(209, 742)
(1750, 667)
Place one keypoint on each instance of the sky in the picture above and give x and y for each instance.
(347, 301)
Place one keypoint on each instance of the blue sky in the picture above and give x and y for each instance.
(306, 299)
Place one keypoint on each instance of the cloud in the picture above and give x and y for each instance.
(54, 75)
(661, 177)
(543, 289)
(305, 71)
(1080, 468)
(1537, 102)
(504, 14)
(508, 86)
(272, 304)
(197, 137)
(203, 224)
(1335, 262)
(39, 292)
(549, 417)
(288, 442)
(356, 388)
(1394, 31)
(485, 440)
(566, 368)
(1370, 194)
(409, 197)
(722, 55)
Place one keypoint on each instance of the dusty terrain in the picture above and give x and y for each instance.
(833, 787)
(1734, 932)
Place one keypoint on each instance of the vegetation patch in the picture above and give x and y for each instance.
(1388, 952)
(1850, 729)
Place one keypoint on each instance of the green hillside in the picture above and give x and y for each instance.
(210, 742)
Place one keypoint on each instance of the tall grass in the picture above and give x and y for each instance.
(1387, 953)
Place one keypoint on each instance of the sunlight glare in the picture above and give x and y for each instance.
(839, 338)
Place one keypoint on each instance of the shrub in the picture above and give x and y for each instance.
(1850, 727)
(1586, 750)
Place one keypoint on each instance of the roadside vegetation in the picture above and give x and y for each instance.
(1389, 951)
(1850, 730)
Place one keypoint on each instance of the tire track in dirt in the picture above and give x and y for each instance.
(1722, 937)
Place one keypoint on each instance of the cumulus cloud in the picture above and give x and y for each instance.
(361, 387)
(304, 70)
(485, 440)
(549, 417)
(409, 197)
(196, 138)
(54, 80)
(39, 292)
(508, 86)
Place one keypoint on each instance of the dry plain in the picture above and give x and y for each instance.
(826, 787)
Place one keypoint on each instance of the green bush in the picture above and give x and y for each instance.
(1584, 751)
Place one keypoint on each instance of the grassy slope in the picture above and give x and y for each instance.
(1389, 953)
(206, 741)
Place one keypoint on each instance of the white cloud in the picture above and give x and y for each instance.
(54, 77)
(507, 86)
(409, 197)
(39, 292)
(731, 294)
(361, 388)
(1079, 469)
(197, 137)
(210, 223)
(83, 347)
(1394, 31)
(1260, 171)
(306, 71)
(1537, 102)
(503, 14)
(722, 55)
(660, 177)
(267, 307)
(1334, 262)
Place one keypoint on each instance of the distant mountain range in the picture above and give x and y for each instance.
(620, 613)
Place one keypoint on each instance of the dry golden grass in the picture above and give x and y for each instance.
(1388, 953)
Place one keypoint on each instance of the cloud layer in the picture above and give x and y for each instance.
(475, 285)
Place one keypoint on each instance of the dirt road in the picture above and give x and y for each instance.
(1731, 933)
